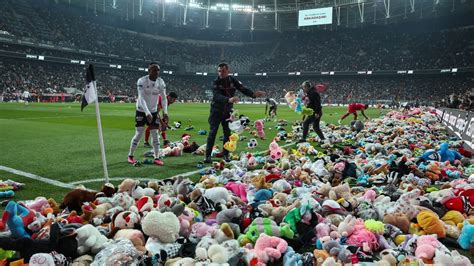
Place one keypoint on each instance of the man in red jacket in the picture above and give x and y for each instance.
(172, 96)
(353, 108)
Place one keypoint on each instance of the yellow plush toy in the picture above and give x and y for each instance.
(453, 218)
(231, 145)
(431, 224)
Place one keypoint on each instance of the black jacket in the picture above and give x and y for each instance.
(223, 90)
(314, 101)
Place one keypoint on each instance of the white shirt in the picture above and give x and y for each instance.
(148, 92)
(26, 94)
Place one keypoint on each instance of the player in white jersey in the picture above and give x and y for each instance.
(272, 112)
(26, 96)
(149, 88)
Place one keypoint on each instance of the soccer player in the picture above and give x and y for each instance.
(26, 96)
(272, 112)
(353, 108)
(313, 101)
(172, 96)
(223, 90)
(149, 87)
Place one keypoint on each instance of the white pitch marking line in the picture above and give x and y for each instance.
(154, 179)
(36, 177)
(45, 117)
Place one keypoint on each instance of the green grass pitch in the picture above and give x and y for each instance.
(57, 141)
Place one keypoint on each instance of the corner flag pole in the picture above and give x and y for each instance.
(90, 95)
(101, 138)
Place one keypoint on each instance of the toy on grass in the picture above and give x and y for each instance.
(259, 126)
(252, 144)
(202, 132)
(231, 144)
(466, 239)
(239, 125)
(444, 154)
(275, 150)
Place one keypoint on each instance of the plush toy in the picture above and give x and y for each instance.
(232, 217)
(430, 223)
(453, 218)
(252, 144)
(333, 248)
(466, 239)
(290, 98)
(406, 204)
(89, 239)
(443, 155)
(231, 144)
(239, 125)
(62, 243)
(363, 238)
(291, 258)
(426, 246)
(398, 219)
(135, 236)
(259, 126)
(275, 150)
(17, 217)
(239, 189)
(75, 198)
(299, 105)
(264, 225)
(269, 248)
(162, 226)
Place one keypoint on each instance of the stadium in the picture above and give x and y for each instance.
(250, 132)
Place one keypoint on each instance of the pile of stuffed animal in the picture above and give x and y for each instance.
(399, 191)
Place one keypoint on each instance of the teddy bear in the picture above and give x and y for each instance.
(277, 213)
(398, 219)
(426, 246)
(334, 249)
(89, 239)
(342, 191)
(209, 250)
(132, 188)
(232, 217)
(239, 189)
(162, 230)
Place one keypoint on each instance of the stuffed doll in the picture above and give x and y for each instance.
(269, 248)
(259, 126)
(17, 217)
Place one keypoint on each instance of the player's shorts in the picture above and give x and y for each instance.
(141, 121)
(273, 109)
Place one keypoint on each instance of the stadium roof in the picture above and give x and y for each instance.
(271, 14)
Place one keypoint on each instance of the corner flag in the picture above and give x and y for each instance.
(90, 91)
(90, 96)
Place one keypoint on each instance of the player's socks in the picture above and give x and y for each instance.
(131, 160)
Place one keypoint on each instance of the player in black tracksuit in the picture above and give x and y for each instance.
(314, 102)
(223, 90)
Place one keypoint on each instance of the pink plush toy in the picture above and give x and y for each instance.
(38, 204)
(426, 246)
(269, 248)
(185, 221)
(239, 189)
(259, 127)
(370, 195)
(361, 237)
(275, 150)
(200, 230)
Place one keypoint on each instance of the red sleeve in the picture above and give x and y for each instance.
(360, 106)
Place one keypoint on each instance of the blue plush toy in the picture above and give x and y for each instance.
(444, 154)
(7, 194)
(291, 258)
(448, 155)
(263, 195)
(466, 239)
(299, 105)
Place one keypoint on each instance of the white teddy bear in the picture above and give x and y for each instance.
(89, 240)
